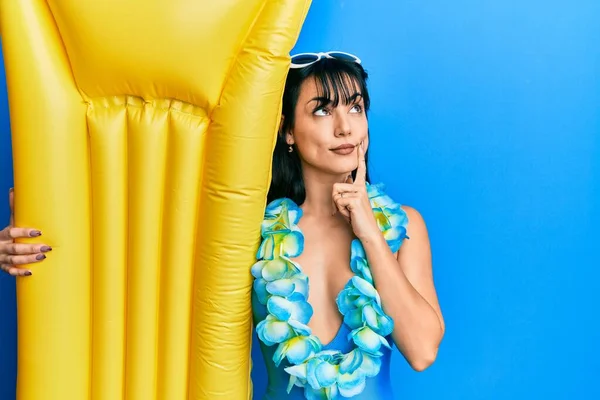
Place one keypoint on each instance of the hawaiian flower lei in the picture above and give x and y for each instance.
(282, 287)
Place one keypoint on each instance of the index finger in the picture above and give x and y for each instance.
(361, 171)
(11, 233)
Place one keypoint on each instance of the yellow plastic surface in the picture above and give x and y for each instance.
(142, 139)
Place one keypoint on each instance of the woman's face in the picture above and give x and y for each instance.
(326, 137)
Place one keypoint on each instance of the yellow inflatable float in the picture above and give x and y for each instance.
(142, 139)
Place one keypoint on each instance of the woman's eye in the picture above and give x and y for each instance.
(357, 108)
(321, 112)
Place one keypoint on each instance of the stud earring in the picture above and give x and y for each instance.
(290, 149)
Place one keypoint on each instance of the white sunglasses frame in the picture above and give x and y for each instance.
(321, 56)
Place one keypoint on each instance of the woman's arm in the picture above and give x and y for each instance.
(405, 284)
(404, 281)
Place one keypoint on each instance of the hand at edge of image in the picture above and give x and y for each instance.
(14, 257)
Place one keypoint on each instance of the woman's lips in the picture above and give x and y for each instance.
(344, 149)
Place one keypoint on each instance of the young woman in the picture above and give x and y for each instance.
(367, 259)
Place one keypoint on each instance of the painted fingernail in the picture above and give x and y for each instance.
(40, 257)
(27, 273)
(35, 233)
(44, 249)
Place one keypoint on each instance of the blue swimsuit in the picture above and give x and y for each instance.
(377, 388)
(280, 284)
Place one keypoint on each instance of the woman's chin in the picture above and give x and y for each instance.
(342, 170)
(337, 166)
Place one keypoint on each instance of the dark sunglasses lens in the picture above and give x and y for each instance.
(304, 58)
(343, 56)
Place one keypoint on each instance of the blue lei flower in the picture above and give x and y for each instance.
(282, 287)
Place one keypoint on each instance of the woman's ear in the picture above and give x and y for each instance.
(289, 137)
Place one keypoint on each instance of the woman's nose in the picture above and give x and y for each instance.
(342, 126)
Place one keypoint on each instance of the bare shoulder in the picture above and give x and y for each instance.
(416, 223)
(415, 250)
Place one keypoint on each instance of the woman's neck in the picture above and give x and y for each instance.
(319, 187)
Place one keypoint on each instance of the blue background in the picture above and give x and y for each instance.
(486, 118)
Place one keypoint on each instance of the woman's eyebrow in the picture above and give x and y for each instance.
(354, 97)
(326, 100)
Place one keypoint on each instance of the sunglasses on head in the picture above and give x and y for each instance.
(305, 59)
